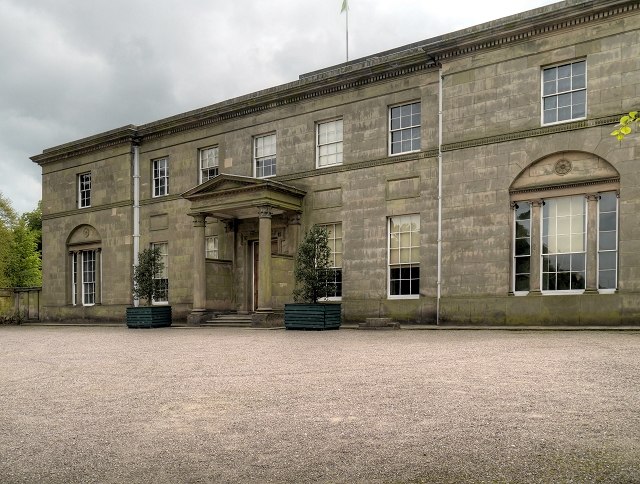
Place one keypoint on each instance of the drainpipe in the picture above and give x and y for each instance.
(136, 207)
(439, 281)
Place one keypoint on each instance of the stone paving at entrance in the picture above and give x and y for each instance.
(112, 405)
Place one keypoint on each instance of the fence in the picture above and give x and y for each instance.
(22, 300)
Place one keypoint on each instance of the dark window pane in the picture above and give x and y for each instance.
(577, 262)
(579, 111)
(577, 280)
(564, 71)
(607, 221)
(405, 286)
(549, 88)
(607, 261)
(578, 68)
(607, 279)
(522, 247)
(563, 281)
(578, 82)
(608, 202)
(607, 241)
(550, 103)
(522, 228)
(522, 282)
(522, 265)
(563, 262)
(415, 286)
(550, 116)
(550, 74)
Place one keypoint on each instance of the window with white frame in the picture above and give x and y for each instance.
(264, 155)
(564, 243)
(208, 163)
(404, 128)
(160, 177)
(162, 280)
(404, 256)
(608, 241)
(522, 246)
(84, 190)
(564, 92)
(329, 143)
(211, 250)
(334, 236)
(83, 273)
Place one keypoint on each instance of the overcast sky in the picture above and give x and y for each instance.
(73, 68)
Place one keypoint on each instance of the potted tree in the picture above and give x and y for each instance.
(312, 274)
(146, 286)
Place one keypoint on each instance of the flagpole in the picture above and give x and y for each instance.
(347, 42)
(345, 8)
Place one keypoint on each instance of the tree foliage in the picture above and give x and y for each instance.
(626, 125)
(20, 260)
(23, 267)
(312, 267)
(149, 267)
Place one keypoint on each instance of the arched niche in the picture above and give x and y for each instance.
(565, 172)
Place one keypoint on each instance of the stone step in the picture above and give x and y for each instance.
(230, 321)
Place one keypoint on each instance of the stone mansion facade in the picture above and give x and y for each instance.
(468, 178)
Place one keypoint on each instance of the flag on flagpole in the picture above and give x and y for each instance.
(345, 8)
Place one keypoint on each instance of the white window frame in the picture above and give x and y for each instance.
(584, 233)
(615, 251)
(516, 256)
(260, 155)
(165, 271)
(74, 278)
(84, 191)
(212, 248)
(401, 128)
(160, 190)
(89, 268)
(208, 163)
(399, 264)
(333, 243)
(337, 144)
(556, 94)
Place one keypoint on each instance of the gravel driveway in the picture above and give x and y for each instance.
(107, 404)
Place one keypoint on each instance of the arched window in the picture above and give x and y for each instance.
(84, 246)
(565, 225)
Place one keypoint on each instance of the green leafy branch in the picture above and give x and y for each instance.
(626, 125)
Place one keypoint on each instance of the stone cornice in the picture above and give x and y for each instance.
(360, 165)
(101, 141)
(82, 211)
(530, 133)
(526, 25)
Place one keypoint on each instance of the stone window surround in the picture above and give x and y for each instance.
(332, 244)
(536, 198)
(165, 271)
(338, 143)
(212, 250)
(543, 96)
(401, 129)
(257, 157)
(210, 168)
(160, 189)
(77, 279)
(415, 295)
(84, 190)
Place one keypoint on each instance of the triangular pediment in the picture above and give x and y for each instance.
(223, 183)
(235, 196)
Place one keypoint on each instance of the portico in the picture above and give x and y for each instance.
(244, 204)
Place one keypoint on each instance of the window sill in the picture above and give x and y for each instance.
(404, 153)
(328, 166)
(544, 125)
(562, 293)
(160, 303)
(408, 296)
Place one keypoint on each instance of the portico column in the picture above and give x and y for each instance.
(264, 256)
(534, 288)
(199, 268)
(592, 243)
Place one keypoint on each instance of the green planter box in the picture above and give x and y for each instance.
(312, 316)
(149, 317)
